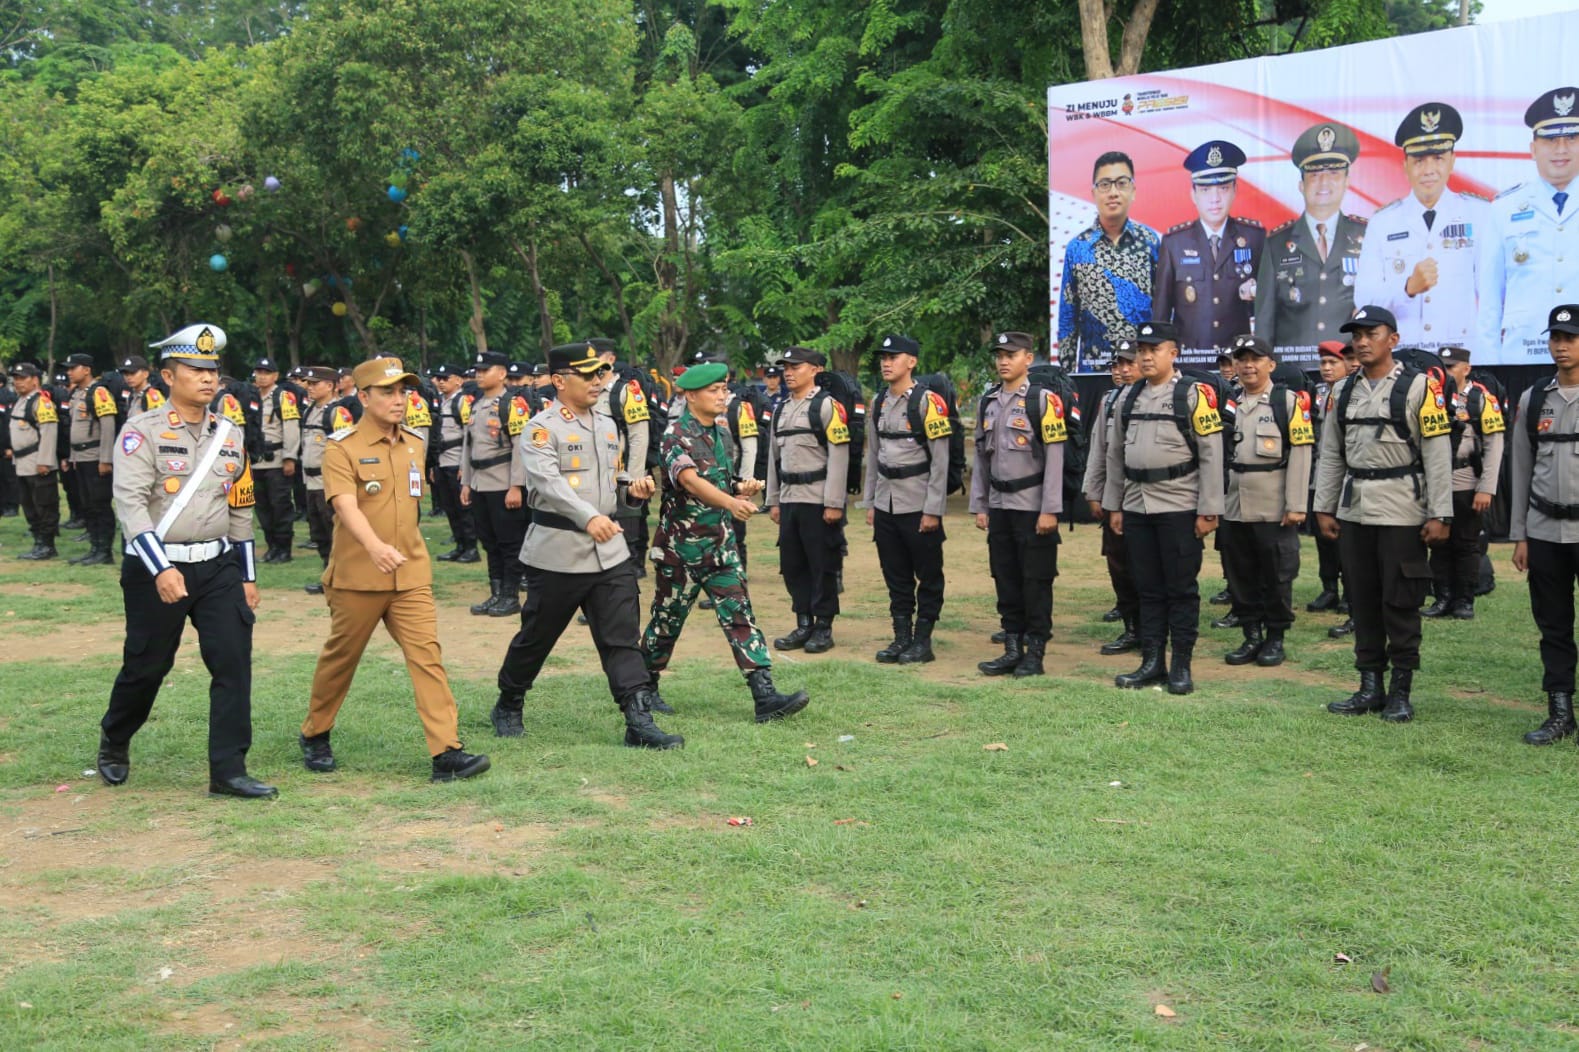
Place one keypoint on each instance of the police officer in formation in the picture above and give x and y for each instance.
(498, 505)
(574, 554)
(34, 426)
(453, 413)
(1477, 435)
(1165, 494)
(1264, 508)
(808, 465)
(275, 469)
(92, 409)
(1016, 496)
(1420, 250)
(323, 419)
(1206, 268)
(630, 402)
(1530, 255)
(140, 389)
(1544, 512)
(906, 493)
(184, 494)
(695, 548)
(1305, 287)
(1335, 361)
(1384, 491)
(1125, 596)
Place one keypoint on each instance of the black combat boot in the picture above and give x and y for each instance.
(1246, 652)
(1006, 662)
(1112, 615)
(1179, 681)
(1229, 620)
(1222, 598)
(45, 551)
(889, 655)
(509, 603)
(115, 762)
(453, 764)
(770, 704)
(316, 754)
(1327, 600)
(1151, 670)
(821, 639)
(1559, 721)
(1366, 700)
(506, 716)
(797, 637)
(1127, 640)
(1339, 631)
(1463, 608)
(655, 702)
(468, 555)
(449, 556)
(98, 554)
(1440, 608)
(998, 637)
(1272, 650)
(1031, 658)
(495, 587)
(920, 648)
(640, 731)
(1398, 709)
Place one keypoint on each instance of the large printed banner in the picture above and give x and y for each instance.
(1421, 188)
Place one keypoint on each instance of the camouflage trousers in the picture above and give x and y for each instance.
(719, 574)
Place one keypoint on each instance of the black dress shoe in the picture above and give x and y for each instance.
(1437, 609)
(1463, 609)
(468, 556)
(72, 523)
(1107, 618)
(313, 589)
(1228, 621)
(309, 545)
(316, 754)
(1222, 598)
(1339, 631)
(115, 764)
(242, 785)
(1327, 600)
(448, 557)
(453, 763)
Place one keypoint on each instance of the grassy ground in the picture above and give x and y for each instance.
(1125, 853)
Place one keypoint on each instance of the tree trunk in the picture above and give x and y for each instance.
(54, 314)
(1093, 39)
(672, 334)
(475, 322)
(1136, 30)
(545, 317)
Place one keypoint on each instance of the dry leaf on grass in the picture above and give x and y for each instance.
(1379, 980)
(1165, 1012)
(1342, 958)
(995, 747)
(810, 762)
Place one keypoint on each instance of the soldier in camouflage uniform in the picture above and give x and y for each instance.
(695, 547)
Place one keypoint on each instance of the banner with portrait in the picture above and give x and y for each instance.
(1432, 180)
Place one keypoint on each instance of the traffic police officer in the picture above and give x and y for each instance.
(1544, 521)
(1268, 476)
(1206, 268)
(1094, 485)
(92, 436)
(454, 412)
(183, 490)
(1478, 428)
(282, 448)
(695, 550)
(1419, 255)
(323, 419)
(34, 434)
(379, 570)
(493, 422)
(808, 463)
(906, 491)
(1530, 254)
(1386, 475)
(1305, 287)
(574, 554)
(1016, 496)
(1165, 489)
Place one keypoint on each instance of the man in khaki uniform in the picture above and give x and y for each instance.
(379, 571)
(183, 490)
(1478, 428)
(1384, 491)
(88, 462)
(282, 449)
(1269, 470)
(495, 421)
(323, 418)
(1126, 599)
(444, 459)
(35, 428)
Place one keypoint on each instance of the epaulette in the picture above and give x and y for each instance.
(1181, 226)
(1515, 188)
(1389, 206)
(1470, 195)
(413, 432)
(342, 434)
(1247, 221)
(1355, 219)
(1283, 228)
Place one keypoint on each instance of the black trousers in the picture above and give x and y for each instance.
(1262, 560)
(217, 608)
(1455, 566)
(500, 530)
(1165, 560)
(10, 495)
(68, 482)
(1553, 570)
(94, 492)
(276, 517)
(634, 522)
(298, 491)
(912, 564)
(320, 523)
(612, 603)
(41, 505)
(1386, 575)
(447, 491)
(1114, 550)
(811, 554)
(1023, 564)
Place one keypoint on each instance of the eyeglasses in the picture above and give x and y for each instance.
(1123, 182)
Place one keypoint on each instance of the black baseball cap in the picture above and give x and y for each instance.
(85, 360)
(797, 355)
(897, 344)
(1368, 317)
(1155, 332)
(133, 362)
(1564, 318)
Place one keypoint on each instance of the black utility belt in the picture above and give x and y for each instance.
(1247, 468)
(451, 444)
(1463, 462)
(1402, 471)
(491, 462)
(273, 447)
(1552, 510)
(907, 471)
(29, 451)
(83, 447)
(312, 473)
(1025, 482)
(1167, 474)
(554, 521)
(802, 478)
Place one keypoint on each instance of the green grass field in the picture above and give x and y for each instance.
(1127, 854)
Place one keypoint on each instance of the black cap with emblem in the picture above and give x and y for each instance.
(1325, 147)
(133, 363)
(1564, 318)
(1009, 342)
(1553, 115)
(797, 355)
(574, 358)
(1213, 163)
(1368, 317)
(489, 359)
(897, 344)
(1431, 127)
(1155, 332)
(1253, 345)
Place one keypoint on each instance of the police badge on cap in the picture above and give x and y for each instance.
(196, 345)
(1564, 318)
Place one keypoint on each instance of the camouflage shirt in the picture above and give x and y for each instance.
(688, 445)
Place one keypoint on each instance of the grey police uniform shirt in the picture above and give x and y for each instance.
(1158, 444)
(315, 437)
(486, 450)
(1489, 447)
(1006, 440)
(1550, 471)
(926, 493)
(1094, 485)
(279, 432)
(803, 454)
(95, 435)
(450, 430)
(155, 460)
(1529, 260)
(742, 451)
(1406, 501)
(635, 440)
(1266, 496)
(1396, 239)
(572, 464)
(39, 440)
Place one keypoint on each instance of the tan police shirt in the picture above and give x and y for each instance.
(1008, 437)
(1549, 471)
(454, 411)
(1471, 441)
(35, 429)
(92, 428)
(1157, 444)
(1094, 485)
(486, 445)
(1267, 492)
(572, 464)
(282, 430)
(797, 451)
(893, 445)
(385, 475)
(157, 457)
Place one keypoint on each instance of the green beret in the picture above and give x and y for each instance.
(699, 376)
